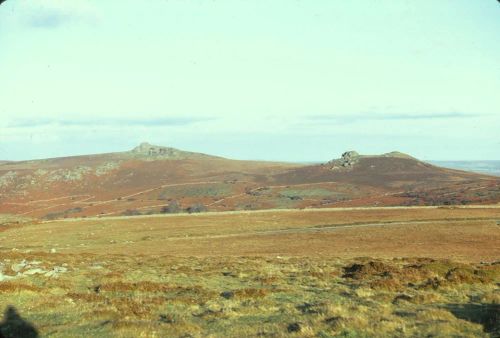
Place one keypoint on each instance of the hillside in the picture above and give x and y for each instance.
(153, 179)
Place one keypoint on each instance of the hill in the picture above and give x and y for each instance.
(153, 179)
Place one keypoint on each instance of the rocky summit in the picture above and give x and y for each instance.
(147, 149)
(347, 160)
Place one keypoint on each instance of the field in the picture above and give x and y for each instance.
(352, 272)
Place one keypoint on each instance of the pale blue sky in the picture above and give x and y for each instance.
(276, 80)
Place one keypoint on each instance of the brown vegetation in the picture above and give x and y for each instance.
(129, 184)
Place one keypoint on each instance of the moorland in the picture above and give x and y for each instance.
(157, 242)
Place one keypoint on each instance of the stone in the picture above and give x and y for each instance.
(148, 150)
(346, 161)
(50, 274)
(60, 269)
(5, 277)
(18, 267)
(34, 271)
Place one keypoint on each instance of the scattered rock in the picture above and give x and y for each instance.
(67, 175)
(34, 271)
(146, 149)
(5, 277)
(7, 179)
(60, 269)
(50, 274)
(18, 267)
(106, 168)
(40, 172)
(26, 269)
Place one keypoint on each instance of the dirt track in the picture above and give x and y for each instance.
(337, 227)
(245, 212)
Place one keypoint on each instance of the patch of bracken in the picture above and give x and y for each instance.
(368, 270)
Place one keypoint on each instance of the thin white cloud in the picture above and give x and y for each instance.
(122, 123)
(352, 118)
(55, 13)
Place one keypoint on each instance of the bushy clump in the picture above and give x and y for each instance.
(171, 208)
(367, 270)
(195, 208)
(131, 212)
(62, 214)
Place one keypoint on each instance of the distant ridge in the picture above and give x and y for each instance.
(143, 151)
(151, 178)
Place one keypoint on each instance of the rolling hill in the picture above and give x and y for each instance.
(152, 179)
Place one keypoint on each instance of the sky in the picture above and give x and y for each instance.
(270, 80)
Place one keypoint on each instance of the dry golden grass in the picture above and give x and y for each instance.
(261, 274)
(255, 296)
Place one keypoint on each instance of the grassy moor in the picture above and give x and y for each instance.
(347, 272)
(319, 168)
